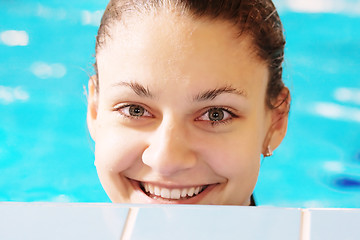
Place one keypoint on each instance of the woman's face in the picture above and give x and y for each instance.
(180, 116)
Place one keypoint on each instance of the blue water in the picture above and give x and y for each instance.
(46, 153)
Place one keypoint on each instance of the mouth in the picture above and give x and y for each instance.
(156, 192)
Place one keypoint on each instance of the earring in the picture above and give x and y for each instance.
(269, 152)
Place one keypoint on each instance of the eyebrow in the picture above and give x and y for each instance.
(139, 89)
(213, 93)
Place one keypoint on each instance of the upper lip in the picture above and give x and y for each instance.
(169, 185)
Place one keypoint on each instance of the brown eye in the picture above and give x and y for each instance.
(133, 111)
(216, 114)
(136, 111)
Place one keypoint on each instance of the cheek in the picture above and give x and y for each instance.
(117, 149)
(235, 159)
(233, 155)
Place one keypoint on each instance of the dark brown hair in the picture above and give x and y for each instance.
(255, 18)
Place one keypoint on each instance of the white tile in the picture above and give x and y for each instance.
(334, 224)
(216, 222)
(42, 221)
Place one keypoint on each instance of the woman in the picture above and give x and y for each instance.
(188, 95)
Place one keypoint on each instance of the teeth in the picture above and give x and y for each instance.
(197, 190)
(157, 191)
(191, 192)
(165, 193)
(184, 192)
(175, 194)
(151, 189)
(172, 193)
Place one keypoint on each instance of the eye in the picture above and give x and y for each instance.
(136, 111)
(217, 115)
(133, 111)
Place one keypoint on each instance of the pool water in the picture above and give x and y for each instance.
(46, 153)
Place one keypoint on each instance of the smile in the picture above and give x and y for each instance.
(155, 191)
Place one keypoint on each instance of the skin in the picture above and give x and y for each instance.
(168, 65)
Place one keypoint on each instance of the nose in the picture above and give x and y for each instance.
(169, 151)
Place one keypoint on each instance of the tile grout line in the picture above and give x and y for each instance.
(305, 225)
(129, 223)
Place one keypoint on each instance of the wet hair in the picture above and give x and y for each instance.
(257, 19)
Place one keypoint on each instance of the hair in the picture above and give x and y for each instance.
(257, 19)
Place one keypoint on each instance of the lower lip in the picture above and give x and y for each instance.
(150, 200)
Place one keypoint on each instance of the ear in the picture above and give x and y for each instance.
(279, 121)
(92, 106)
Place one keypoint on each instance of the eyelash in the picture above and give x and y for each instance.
(220, 122)
(120, 109)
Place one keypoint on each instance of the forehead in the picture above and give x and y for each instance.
(178, 48)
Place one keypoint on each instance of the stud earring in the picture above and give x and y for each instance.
(269, 152)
